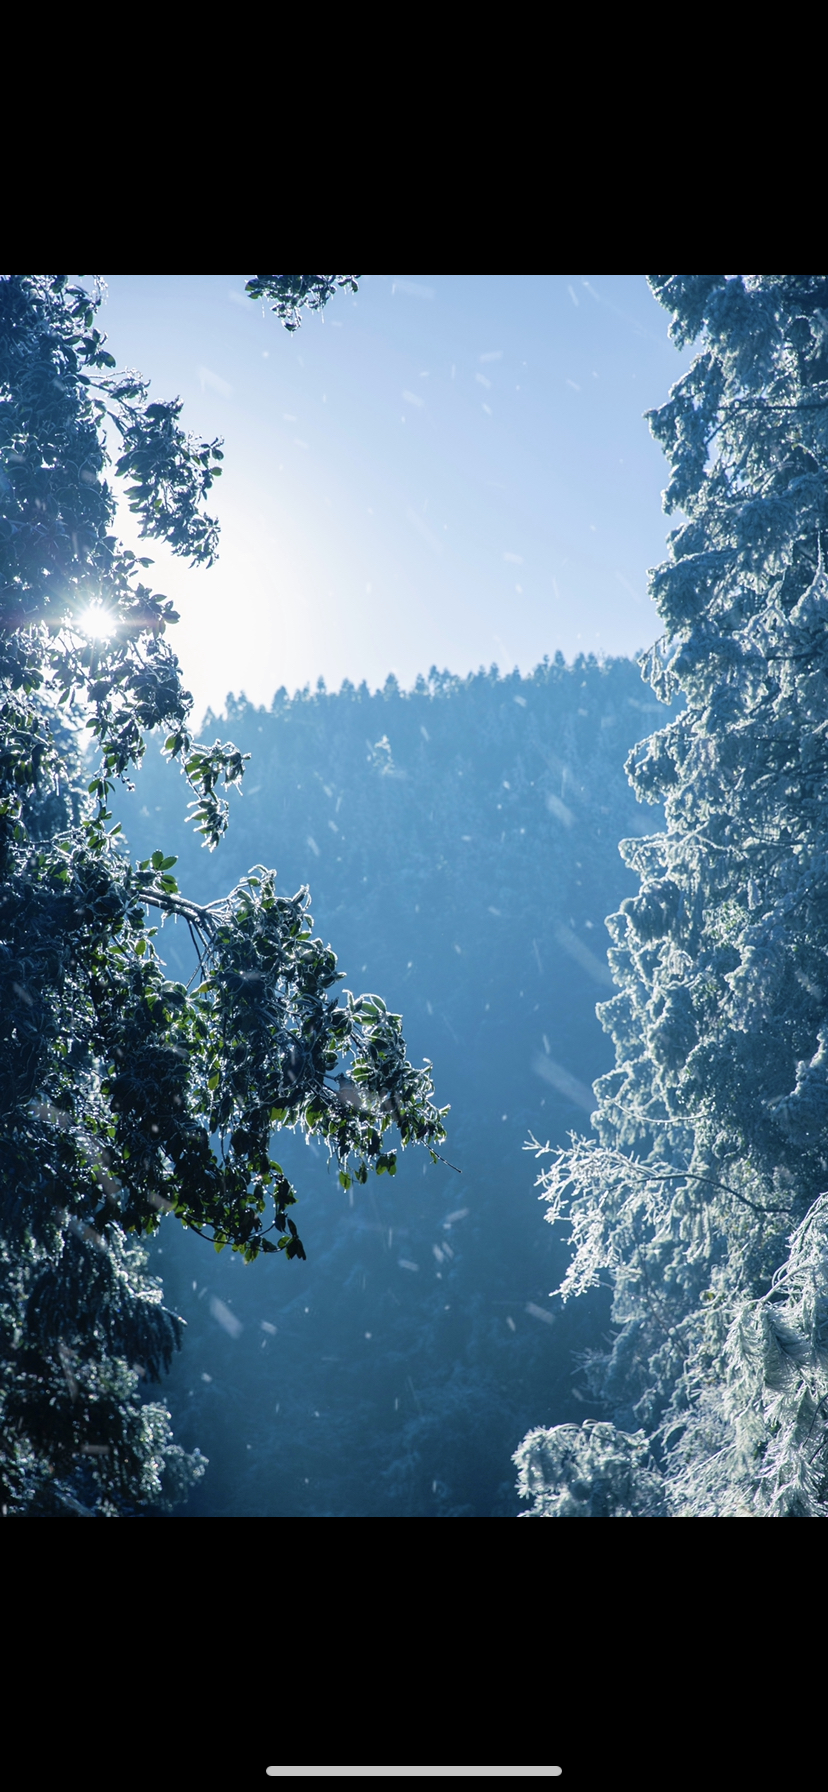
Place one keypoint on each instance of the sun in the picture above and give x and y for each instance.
(97, 622)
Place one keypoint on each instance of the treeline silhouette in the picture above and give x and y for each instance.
(460, 841)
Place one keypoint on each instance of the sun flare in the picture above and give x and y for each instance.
(97, 622)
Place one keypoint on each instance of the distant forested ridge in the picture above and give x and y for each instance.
(460, 843)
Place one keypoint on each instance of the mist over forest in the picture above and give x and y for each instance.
(460, 842)
(282, 1123)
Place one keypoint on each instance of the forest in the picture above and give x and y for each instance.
(460, 842)
(249, 1266)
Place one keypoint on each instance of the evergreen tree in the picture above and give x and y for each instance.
(701, 1200)
(126, 1095)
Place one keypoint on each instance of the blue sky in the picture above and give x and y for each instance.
(446, 469)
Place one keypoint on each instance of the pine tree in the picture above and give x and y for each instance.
(701, 1199)
(126, 1095)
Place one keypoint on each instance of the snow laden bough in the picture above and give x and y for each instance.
(702, 1201)
(754, 1443)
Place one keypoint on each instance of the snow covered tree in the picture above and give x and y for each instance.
(702, 1198)
(126, 1095)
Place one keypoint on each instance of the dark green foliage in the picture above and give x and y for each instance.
(294, 293)
(703, 1200)
(124, 1094)
(461, 840)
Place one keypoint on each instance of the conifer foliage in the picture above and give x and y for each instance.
(126, 1095)
(702, 1198)
(461, 837)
